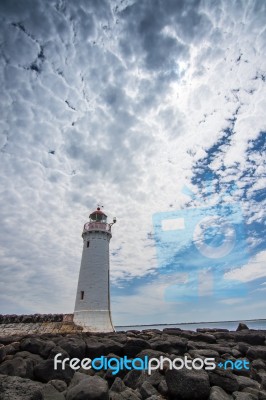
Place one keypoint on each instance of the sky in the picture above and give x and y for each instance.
(154, 109)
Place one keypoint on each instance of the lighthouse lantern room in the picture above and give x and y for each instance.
(92, 307)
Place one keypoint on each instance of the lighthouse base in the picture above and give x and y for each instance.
(94, 320)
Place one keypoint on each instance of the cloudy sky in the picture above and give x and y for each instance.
(156, 110)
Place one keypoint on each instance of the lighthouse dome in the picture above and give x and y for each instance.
(98, 215)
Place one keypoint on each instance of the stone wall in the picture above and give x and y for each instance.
(20, 325)
(22, 319)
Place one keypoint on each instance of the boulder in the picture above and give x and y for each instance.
(205, 337)
(92, 388)
(162, 387)
(170, 345)
(187, 384)
(245, 382)
(111, 346)
(135, 346)
(224, 379)
(151, 354)
(74, 346)
(172, 331)
(244, 396)
(18, 366)
(45, 372)
(77, 378)
(211, 330)
(131, 379)
(2, 352)
(250, 337)
(218, 393)
(128, 394)
(256, 352)
(243, 348)
(27, 355)
(56, 350)
(263, 381)
(241, 327)
(147, 390)
(203, 353)
(12, 348)
(49, 392)
(37, 346)
(94, 348)
(17, 388)
(118, 385)
(58, 384)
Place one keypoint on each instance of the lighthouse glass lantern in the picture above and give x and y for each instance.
(92, 307)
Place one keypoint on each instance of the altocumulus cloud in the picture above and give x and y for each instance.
(124, 103)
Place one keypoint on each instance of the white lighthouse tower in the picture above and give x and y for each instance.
(92, 307)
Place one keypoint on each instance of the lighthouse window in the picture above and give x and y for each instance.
(82, 295)
(88, 244)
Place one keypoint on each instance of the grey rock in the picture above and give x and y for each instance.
(204, 353)
(224, 379)
(262, 395)
(92, 388)
(250, 337)
(37, 346)
(162, 387)
(211, 330)
(27, 355)
(253, 391)
(58, 384)
(128, 394)
(96, 348)
(57, 350)
(2, 352)
(17, 388)
(135, 346)
(112, 346)
(205, 337)
(245, 382)
(50, 393)
(244, 396)
(131, 378)
(241, 327)
(263, 381)
(188, 384)
(243, 348)
(11, 348)
(256, 352)
(171, 345)
(74, 346)
(45, 372)
(118, 386)
(151, 354)
(18, 367)
(147, 390)
(218, 393)
(77, 378)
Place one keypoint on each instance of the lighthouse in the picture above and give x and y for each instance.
(92, 307)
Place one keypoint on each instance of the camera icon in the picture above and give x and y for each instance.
(196, 247)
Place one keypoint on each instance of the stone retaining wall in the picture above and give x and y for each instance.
(20, 325)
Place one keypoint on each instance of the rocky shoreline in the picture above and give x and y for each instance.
(27, 365)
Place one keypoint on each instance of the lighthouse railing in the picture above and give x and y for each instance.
(97, 226)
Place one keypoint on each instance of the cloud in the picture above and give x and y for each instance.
(122, 103)
(255, 269)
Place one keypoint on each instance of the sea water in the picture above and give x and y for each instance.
(230, 325)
